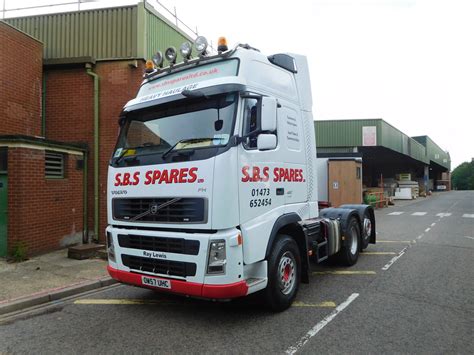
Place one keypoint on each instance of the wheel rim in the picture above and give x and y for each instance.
(287, 272)
(354, 240)
(367, 227)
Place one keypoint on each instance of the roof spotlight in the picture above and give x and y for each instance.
(170, 55)
(185, 50)
(158, 59)
(201, 45)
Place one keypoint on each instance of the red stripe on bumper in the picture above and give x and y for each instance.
(234, 290)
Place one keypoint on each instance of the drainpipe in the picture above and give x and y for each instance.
(96, 150)
(85, 223)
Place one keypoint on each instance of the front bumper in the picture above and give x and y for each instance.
(233, 290)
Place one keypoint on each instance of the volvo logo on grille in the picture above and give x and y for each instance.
(153, 208)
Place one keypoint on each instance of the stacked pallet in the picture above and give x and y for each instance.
(407, 189)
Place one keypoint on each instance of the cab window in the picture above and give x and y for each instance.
(251, 123)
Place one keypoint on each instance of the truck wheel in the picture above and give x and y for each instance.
(284, 273)
(366, 230)
(349, 253)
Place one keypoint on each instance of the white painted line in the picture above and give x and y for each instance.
(316, 329)
(420, 236)
(467, 215)
(391, 262)
(433, 224)
(444, 215)
(394, 213)
(427, 230)
(466, 236)
(418, 213)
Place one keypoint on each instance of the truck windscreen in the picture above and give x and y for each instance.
(192, 127)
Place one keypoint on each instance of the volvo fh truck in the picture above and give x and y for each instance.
(212, 187)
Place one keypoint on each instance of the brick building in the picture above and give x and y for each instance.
(87, 65)
(41, 181)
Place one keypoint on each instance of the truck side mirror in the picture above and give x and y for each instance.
(269, 114)
(266, 141)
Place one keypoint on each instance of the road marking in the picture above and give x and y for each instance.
(378, 253)
(395, 213)
(391, 262)
(394, 241)
(466, 236)
(317, 328)
(467, 215)
(326, 304)
(344, 272)
(418, 213)
(427, 230)
(444, 215)
(420, 236)
(433, 224)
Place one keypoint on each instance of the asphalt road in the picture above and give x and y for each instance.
(412, 292)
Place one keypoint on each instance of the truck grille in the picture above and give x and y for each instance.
(167, 245)
(160, 210)
(158, 266)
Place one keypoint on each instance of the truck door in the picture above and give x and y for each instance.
(258, 194)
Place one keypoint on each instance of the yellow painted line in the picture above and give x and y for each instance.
(121, 301)
(378, 253)
(326, 304)
(344, 272)
(394, 241)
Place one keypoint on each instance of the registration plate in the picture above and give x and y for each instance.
(154, 282)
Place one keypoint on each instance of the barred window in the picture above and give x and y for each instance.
(54, 165)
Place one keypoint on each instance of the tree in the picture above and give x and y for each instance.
(463, 176)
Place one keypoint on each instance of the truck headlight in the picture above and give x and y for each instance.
(110, 247)
(217, 258)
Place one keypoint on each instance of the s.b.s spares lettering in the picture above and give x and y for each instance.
(153, 177)
(262, 174)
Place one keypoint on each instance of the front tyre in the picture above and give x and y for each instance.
(284, 274)
(349, 253)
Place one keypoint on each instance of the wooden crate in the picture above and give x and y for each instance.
(344, 182)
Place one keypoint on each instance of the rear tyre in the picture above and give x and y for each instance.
(284, 274)
(366, 231)
(349, 253)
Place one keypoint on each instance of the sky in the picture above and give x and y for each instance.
(409, 62)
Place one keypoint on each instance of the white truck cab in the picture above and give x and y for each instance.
(212, 184)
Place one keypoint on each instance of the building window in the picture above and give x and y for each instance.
(358, 172)
(54, 165)
(3, 159)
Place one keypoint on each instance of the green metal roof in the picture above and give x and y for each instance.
(129, 32)
(338, 135)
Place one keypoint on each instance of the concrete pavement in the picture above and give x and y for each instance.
(48, 277)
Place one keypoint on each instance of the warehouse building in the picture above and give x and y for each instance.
(65, 78)
(386, 153)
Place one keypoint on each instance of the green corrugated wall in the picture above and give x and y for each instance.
(343, 133)
(434, 152)
(113, 33)
(161, 35)
(101, 34)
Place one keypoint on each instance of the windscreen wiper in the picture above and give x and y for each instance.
(186, 141)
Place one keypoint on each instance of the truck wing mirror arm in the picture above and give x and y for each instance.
(235, 140)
